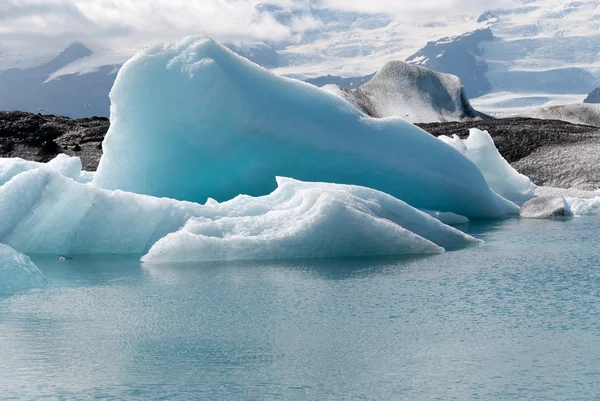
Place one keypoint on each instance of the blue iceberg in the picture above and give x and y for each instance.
(192, 120)
(18, 272)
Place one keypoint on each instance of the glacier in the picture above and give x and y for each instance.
(44, 212)
(304, 220)
(192, 120)
(18, 272)
(499, 174)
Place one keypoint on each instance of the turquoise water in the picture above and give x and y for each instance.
(515, 318)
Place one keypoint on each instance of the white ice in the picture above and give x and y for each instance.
(584, 206)
(301, 220)
(44, 212)
(500, 175)
(65, 165)
(17, 271)
(192, 120)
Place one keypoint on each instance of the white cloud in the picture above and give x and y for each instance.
(38, 26)
(418, 8)
(135, 23)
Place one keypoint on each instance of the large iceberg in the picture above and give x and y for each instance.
(302, 220)
(192, 120)
(42, 211)
(500, 175)
(17, 271)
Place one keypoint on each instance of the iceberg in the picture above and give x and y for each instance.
(546, 207)
(63, 164)
(192, 120)
(499, 174)
(44, 212)
(307, 220)
(584, 206)
(18, 272)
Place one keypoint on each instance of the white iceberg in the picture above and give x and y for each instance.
(499, 174)
(584, 206)
(42, 211)
(581, 203)
(65, 165)
(17, 271)
(304, 220)
(192, 120)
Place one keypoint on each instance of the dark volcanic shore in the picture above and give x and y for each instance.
(42, 137)
(517, 138)
(553, 153)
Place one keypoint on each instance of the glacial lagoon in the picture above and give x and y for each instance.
(515, 317)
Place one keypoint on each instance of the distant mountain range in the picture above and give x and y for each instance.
(539, 53)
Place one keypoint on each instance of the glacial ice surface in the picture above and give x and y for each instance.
(192, 120)
(302, 220)
(63, 164)
(584, 206)
(500, 175)
(17, 271)
(44, 212)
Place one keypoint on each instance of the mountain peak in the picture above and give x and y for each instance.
(76, 50)
(73, 52)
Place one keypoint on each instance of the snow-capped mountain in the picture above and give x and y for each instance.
(75, 95)
(530, 54)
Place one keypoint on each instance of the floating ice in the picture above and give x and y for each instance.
(192, 120)
(65, 165)
(42, 211)
(584, 206)
(500, 175)
(302, 220)
(580, 202)
(17, 271)
(546, 207)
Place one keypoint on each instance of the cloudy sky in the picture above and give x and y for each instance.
(34, 25)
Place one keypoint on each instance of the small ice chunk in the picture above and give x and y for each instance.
(17, 271)
(584, 206)
(499, 174)
(546, 207)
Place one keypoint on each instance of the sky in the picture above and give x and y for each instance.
(39, 25)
